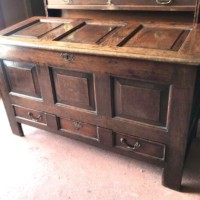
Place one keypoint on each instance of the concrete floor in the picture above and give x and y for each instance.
(45, 166)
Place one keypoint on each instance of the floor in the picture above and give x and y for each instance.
(45, 166)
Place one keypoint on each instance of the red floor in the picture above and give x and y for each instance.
(44, 166)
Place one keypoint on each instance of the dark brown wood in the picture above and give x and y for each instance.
(130, 101)
(22, 78)
(15, 126)
(74, 88)
(126, 86)
(30, 114)
(139, 146)
(154, 38)
(105, 136)
(78, 127)
(124, 7)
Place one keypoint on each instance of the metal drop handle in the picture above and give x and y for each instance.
(163, 2)
(128, 146)
(68, 1)
(32, 117)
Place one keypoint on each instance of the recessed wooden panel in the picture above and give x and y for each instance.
(140, 101)
(89, 34)
(155, 38)
(74, 88)
(78, 128)
(22, 78)
(62, 30)
(36, 30)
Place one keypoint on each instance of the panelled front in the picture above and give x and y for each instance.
(139, 104)
(136, 101)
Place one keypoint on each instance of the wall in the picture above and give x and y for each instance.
(14, 11)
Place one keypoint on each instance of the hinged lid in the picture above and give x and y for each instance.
(166, 42)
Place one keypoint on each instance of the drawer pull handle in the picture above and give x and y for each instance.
(77, 125)
(32, 117)
(68, 57)
(109, 2)
(163, 2)
(68, 1)
(128, 146)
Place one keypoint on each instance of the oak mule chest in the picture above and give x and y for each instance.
(124, 80)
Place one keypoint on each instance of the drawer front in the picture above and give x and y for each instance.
(154, 2)
(78, 128)
(37, 117)
(30, 114)
(140, 146)
(121, 2)
(76, 2)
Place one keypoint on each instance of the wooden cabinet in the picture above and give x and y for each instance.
(126, 86)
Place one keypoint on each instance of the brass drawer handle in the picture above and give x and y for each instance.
(77, 125)
(109, 2)
(68, 57)
(32, 117)
(163, 2)
(128, 146)
(68, 1)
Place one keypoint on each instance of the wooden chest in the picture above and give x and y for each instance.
(128, 86)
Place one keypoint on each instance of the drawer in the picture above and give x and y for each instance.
(77, 2)
(121, 2)
(35, 116)
(30, 114)
(140, 146)
(154, 2)
(78, 128)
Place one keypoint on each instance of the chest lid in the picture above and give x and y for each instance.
(169, 42)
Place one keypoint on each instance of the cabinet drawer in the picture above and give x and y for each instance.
(78, 128)
(30, 114)
(36, 117)
(121, 2)
(77, 2)
(140, 146)
(154, 2)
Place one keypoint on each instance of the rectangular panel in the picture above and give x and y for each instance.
(22, 78)
(74, 88)
(89, 34)
(140, 146)
(37, 30)
(140, 101)
(62, 30)
(155, 38)
(123, 34)
(78, 128)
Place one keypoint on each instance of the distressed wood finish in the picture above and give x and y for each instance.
(126, 86)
